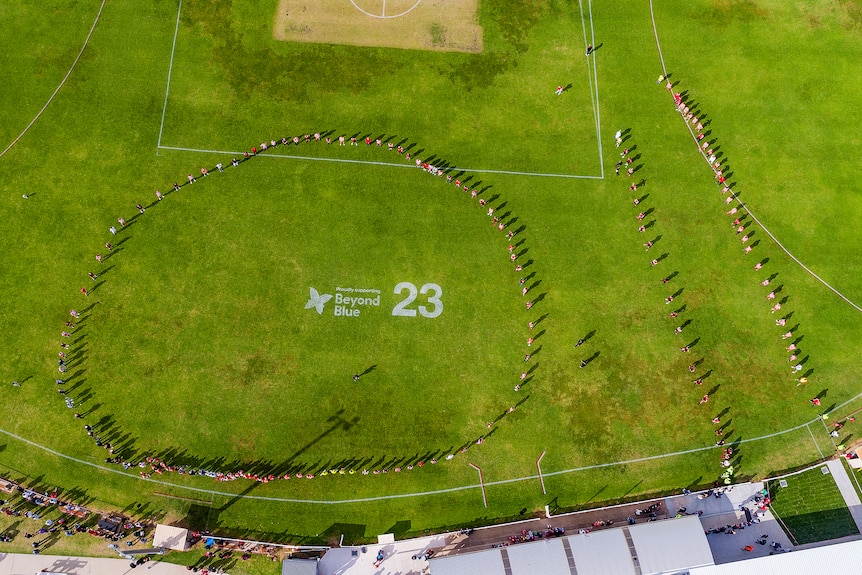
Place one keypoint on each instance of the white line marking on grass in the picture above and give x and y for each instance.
(657, 44)
(743, 204)
(596, 78)
(418, 494)
(372, 163)
(817, 445)
(382, 14)
(170, 72)
(66, 77)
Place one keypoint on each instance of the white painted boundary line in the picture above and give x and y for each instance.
(62, 82)
(417, 494)
(170, 72)
(382, 14)
(593, 79)
(372, 163)
(743, 204)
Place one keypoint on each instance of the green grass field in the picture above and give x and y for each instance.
(196, 344)
(811, 508)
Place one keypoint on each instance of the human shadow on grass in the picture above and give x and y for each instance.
(705, 375)
(591, 359)
(12, 530)
(112, 253)
(129, 223)
(587, 337)
(368, 370)
(511, 409)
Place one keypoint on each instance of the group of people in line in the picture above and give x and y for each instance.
(149, 465)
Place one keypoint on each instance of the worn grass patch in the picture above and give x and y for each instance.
(413, 24)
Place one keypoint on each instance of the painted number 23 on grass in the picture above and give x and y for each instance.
(431, 296)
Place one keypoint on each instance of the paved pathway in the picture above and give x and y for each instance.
(18, 564)
(843, 481)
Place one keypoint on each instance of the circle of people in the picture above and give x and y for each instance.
(155, 465)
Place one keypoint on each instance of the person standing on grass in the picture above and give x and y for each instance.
(559, 90)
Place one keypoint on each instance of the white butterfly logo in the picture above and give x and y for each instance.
(317, 301)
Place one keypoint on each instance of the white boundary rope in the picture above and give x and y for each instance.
(420, 493)
(170, 72)
(66, 77)
(743, 204)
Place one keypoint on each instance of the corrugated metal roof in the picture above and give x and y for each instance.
(671, 546)
(602, 553)
(661, 547)
(299, 567)
(840, 558)
(546, 557)
(488, 562)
